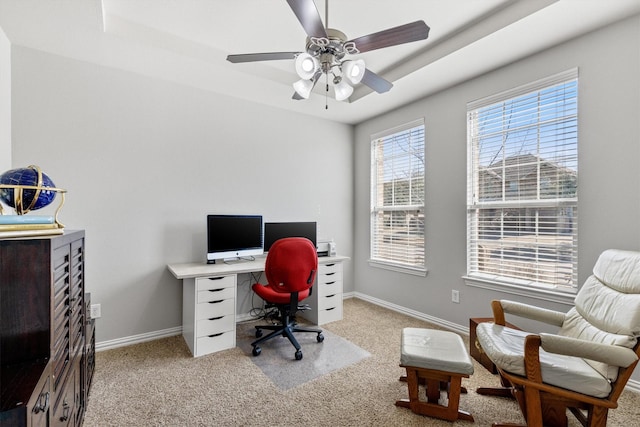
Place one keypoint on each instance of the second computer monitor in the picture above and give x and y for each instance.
(279, 230)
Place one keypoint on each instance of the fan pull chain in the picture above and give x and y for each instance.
(326, 93)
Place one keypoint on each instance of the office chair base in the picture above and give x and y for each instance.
(287, 332)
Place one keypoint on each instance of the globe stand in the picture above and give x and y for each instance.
(19, 200)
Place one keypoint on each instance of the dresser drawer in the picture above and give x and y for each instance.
(206, 283)
(215, 325)
(216, 294)
(329, 301)
(216, 342)
(207, 310)
(331, 314)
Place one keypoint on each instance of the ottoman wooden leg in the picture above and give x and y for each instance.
(434, 382)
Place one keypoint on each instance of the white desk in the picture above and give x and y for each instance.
(209, 293)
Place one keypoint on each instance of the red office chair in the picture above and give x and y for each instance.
(291, 268)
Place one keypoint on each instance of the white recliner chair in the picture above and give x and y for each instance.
(585, 366)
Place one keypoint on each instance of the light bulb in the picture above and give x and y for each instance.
(306, 66)
(354, 70)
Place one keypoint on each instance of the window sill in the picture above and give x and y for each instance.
(552, 295)
(399, 268)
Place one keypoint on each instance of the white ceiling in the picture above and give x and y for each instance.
(187, 41)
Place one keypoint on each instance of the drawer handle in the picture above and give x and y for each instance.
(216, 278)
(216, 318)
(330, 283)
(216, 335)
(42, 404)
(329, 309)
(216, 301)
(66, 409)
(330, 274)
(330, 265)
(216, 290)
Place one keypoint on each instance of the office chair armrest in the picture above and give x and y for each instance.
(610, 354)
(501, 307)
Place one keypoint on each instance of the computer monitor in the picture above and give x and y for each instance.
(279, 230)
(233, 236)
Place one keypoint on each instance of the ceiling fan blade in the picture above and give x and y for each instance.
(308, 15)
(393, 36)
(252, 57)
(376, 82)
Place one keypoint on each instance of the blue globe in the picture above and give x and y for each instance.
(27, 176)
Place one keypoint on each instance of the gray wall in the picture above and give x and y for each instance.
(609, 176)
(145, 160)
(5, 102)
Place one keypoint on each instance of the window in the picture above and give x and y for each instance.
(397, 198)
(522, 196)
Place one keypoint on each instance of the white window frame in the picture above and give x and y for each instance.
(526, 272)
(401, 245)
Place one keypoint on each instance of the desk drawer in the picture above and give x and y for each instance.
(216, 342)
(329, 273)
(329, 302)
(206, 283)
(329, 288)
(215, 325)
(216, 294)
(331, 314)
(207, 310)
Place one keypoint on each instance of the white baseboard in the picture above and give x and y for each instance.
(632, 385)
(137, 339)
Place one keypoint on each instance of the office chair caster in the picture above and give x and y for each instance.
(320, 337)
(299, 355)
(258, 333)
(257, 350)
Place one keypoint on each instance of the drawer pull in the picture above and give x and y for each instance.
(330, 274)
(216, 290)
(330, 265)
(330, 296)
(216, 318)
(216, 278)
(216, 335)
(329, 309)
(216, 301)
(42, 404)
(66, 409)
(330, 283)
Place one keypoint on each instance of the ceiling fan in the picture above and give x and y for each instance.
(327, 49)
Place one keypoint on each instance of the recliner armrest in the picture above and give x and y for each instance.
(551, 317)
(605, 353)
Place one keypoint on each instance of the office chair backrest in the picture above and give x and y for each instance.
(291, 264)
(607, 307)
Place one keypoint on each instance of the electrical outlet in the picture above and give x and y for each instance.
(455, 296)
(96, 311)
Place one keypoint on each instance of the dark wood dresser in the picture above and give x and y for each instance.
(46, 356)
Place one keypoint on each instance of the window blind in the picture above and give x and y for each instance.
(397, 196)
(522, 185)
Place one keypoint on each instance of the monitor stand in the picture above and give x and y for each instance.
(238, 260)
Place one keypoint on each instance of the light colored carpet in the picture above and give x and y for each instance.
(158, 383)
(277, 359)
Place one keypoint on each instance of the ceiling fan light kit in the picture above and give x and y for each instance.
(326, 49)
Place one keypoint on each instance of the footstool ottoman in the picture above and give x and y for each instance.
(438, 360)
